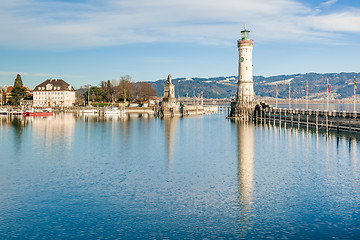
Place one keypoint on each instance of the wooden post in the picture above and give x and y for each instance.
(307, 121)
(280, 116)
(316, 120)
(327, 124)
(298, 120)
(274, 115)
(349, 125)
(257, 117)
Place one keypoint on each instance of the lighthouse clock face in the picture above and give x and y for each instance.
(241, 59)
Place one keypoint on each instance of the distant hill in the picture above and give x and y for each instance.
(341, 85)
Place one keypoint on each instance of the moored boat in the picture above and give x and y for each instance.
(114, 111)
(90, 110)
(3, 112)
(39, 112)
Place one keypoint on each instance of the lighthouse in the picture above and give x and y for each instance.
(243, 106)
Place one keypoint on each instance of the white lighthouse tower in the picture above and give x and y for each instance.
(243, 106)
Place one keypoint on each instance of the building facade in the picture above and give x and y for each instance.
(54, 93)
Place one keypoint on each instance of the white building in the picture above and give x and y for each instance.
(53, 93)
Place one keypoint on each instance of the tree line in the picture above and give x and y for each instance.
(124, 90)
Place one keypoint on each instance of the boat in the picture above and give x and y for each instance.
(39, 112)
(15, 112)
(3, 112)
(114, 111)
(90, 110)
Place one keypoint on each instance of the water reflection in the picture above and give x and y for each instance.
(170, 129)
(18, 123)
(59, 129)
(245, 150)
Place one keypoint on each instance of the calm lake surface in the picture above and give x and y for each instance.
(139, 177)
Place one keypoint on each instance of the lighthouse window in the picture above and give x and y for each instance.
(246, 68)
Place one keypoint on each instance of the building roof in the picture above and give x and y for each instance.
(9, 89)
(54, 85)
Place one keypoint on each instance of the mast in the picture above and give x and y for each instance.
(354, 94)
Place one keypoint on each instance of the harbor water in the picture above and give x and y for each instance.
(138, 177)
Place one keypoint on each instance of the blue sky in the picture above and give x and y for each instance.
(95, 40)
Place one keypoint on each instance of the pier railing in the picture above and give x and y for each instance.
(338, 120)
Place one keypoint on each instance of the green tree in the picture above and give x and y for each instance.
(18, 82)
(107, 87)
(96, 94)
(17, 94)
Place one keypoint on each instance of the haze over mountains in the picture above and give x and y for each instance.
(341, 86)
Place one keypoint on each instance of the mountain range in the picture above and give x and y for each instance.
(341, 86)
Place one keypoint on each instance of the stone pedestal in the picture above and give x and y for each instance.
(169, 106)
(242, 110)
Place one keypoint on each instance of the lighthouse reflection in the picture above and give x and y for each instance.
(245, 150)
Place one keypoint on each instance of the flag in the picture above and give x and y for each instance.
(307, 88)
(329, 88)
(355, 84)
(277, 92)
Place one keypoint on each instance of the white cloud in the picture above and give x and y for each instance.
(328, 3)
(52, 24)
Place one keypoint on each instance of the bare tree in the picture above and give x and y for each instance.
(114, 83)
(144, 90)
(124, 89)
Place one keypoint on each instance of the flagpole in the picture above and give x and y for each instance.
(276, 95)
(307, 95)
(328, 93)
(354, 94)
(289, 95)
